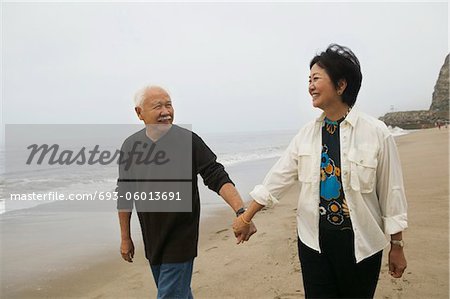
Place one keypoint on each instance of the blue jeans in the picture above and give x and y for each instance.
(173, 280)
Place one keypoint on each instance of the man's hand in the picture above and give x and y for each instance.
(397, 261)
(242, 230)
(127, 250)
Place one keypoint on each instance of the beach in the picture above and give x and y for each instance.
(85, 261)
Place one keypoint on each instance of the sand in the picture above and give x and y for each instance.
(267, 266)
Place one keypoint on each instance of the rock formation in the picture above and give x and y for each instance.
(438, 112)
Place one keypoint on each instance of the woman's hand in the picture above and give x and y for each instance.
(397, 261)
(243, 230)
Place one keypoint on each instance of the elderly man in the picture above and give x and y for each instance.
(170, 238)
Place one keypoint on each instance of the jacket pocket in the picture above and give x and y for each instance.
(305, 163)
(363, 166)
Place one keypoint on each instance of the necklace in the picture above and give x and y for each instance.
(331, 126)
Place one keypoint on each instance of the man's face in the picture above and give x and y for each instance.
(156, 108)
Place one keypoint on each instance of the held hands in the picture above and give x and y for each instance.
(127, 250)
(397, 261)
(243, 229)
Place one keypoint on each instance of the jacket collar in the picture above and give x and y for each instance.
(352, 117)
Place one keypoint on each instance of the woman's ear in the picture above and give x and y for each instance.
(342, 85)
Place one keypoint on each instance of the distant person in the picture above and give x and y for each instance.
(170, 238)
(351, 187)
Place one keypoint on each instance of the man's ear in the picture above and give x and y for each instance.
(138, 112)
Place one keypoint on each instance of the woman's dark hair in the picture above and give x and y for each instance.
(340, 63)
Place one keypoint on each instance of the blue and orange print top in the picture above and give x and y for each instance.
(334, 212)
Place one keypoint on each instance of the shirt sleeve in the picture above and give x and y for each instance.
(390, 189)
(279, 179)
(213, 173)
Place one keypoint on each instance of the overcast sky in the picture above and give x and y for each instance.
(228, 66)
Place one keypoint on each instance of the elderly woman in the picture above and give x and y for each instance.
(352, 201)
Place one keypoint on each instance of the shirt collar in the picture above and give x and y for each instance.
(352, 117)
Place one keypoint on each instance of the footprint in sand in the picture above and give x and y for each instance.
(211, 248)
(218, 233)
(230, 262)
(260, 235)
(287, 295)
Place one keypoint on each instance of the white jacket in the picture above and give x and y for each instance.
(371, 178)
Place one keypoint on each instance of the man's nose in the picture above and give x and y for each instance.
(165, 111)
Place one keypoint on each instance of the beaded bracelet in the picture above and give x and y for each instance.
(243, 220)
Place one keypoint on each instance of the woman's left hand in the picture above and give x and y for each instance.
(397, 261)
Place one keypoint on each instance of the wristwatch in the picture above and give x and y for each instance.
(240, 211)
(398, 243)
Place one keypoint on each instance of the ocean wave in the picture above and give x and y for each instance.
(258, 154)
(396, 131)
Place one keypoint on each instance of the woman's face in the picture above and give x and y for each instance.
(321, 88)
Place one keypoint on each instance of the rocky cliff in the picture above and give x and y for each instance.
(439, 109)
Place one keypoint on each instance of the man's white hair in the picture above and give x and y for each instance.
(139, 97)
